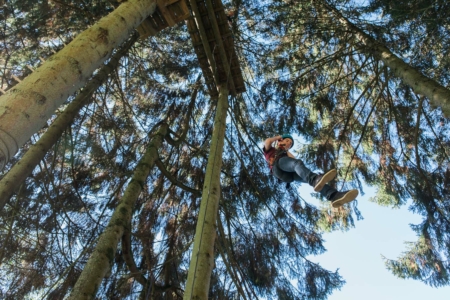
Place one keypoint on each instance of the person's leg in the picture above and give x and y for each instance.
(298, 178)
(336, 198)
(282, 175)
(285, 166)
(340, 198)
(328, 192)
(289, 164)
(318, 181)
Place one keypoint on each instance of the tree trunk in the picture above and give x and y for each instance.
(19, 172)
(202, 259)
(438, 95)
(26, 108)
(102, 259)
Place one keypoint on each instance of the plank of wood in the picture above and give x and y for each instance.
(146, 29)
(166, 13)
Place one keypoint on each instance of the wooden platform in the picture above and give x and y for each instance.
(167, 13)
(235, 81)
(216, 54)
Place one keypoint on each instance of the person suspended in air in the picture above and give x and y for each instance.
(287, 168)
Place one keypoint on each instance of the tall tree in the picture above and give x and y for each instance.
(305, 73)
(421, 27)
(102, 257)
(202, 260)
(438, 95)
(17, 174)
(27, 106)
(363, 118)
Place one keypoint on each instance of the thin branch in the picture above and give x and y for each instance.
(185, 125)
(230, 270)
(416, 132)
(173, 180)
(364, 131)
(127, 254)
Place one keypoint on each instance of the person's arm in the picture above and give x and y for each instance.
(290, 154)
(268, 142)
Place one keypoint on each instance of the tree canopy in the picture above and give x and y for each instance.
(317, 69)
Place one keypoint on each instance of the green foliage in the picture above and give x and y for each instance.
(421, 262)
(305, 74)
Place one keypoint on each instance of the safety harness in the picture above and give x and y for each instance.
(279, 154)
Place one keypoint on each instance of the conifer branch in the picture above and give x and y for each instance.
(185, 126)
(352, 109)
(229, 256)
(101, 259)
(364, 131)
(438, 139)
(128, 257)
(416, 131)
(438, 95)
(173, 180)
(18, 173)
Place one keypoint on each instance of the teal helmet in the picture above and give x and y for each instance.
(288, 136)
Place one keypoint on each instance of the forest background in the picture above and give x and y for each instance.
(364, 85)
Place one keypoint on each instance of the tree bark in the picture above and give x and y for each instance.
(438, 95)
(202, 259)
(19, 172)
(26, 108)
(102, 259)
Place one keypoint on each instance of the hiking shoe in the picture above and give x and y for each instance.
(320, 180)
(340, 198)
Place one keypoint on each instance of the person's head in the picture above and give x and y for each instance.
(286, 142)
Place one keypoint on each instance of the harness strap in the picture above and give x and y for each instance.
(279, 154)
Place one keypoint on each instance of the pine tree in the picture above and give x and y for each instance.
(29, 104)
(202, 261)
(437, 94)
(101, 259)
(18, 173)
(306, 74)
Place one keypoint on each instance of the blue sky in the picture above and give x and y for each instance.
(357, 254)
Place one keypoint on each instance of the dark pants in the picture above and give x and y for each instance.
(289, 169)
